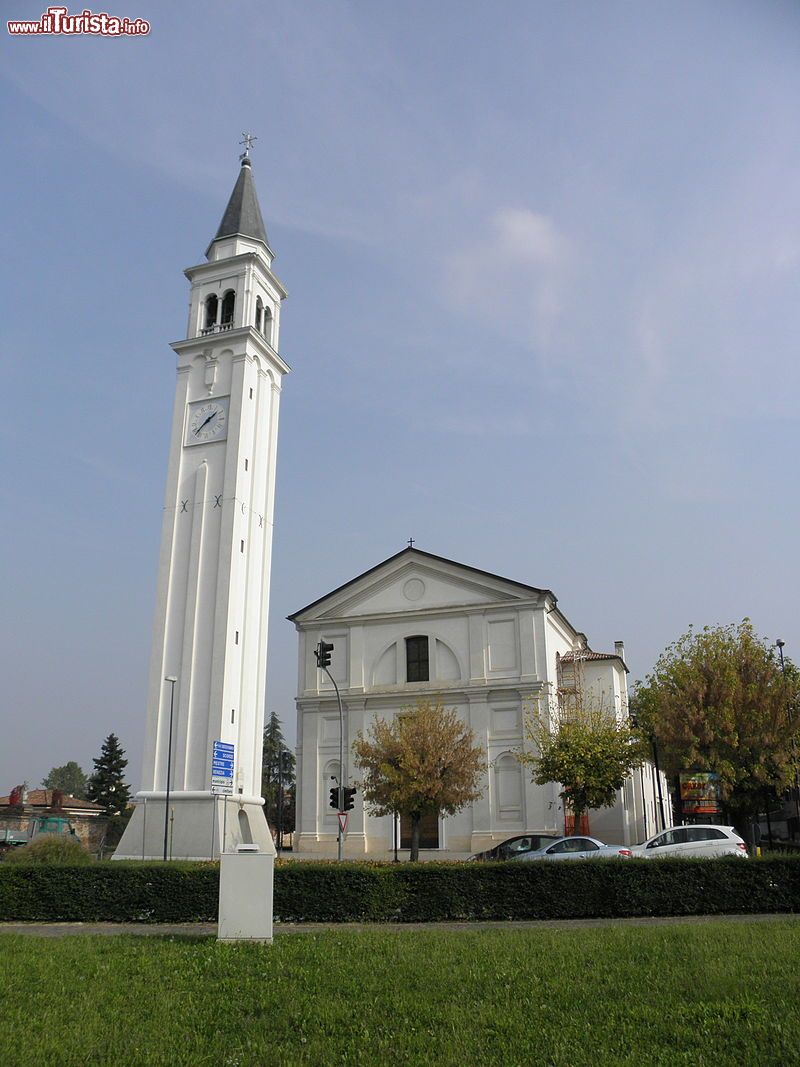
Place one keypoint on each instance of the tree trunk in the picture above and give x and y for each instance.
(577, 815)
(415, 818)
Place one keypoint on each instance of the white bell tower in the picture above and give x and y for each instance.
(207, 674)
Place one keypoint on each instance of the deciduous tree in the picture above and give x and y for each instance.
(718, 701)
(424, 761)
(70, 779)
(581, 744)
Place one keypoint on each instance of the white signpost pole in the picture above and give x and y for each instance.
(246, 875)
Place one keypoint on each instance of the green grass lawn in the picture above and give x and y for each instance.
(713, 993)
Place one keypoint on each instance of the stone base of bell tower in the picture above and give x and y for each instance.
(198, 826)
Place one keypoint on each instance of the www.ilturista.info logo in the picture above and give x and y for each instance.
(56, 20)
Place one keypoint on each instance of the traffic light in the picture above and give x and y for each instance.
(334, 801)
(323, 653)
(349, 793)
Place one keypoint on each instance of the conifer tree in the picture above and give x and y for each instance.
(273, 773)
(107, 785)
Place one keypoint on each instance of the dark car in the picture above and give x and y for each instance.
(516, 846)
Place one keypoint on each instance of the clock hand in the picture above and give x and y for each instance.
(202, 424)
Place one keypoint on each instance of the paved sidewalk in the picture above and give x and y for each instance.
(199, 930)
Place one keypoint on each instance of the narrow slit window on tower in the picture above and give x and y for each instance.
(233, 714)
(228, 303)
(241, 546)
(237, 637)
(251, 394)
(210, 318)
(417, 659)
(245, 464)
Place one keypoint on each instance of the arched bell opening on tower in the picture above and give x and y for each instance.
(210, 312)
(264, 319)
(228, 304)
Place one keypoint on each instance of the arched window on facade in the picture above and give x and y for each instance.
(228, 303)
(210, 316)
(267, 328)
(508, 789)
(417, 659)
(259, 313)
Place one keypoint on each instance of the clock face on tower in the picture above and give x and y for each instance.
(208, 421)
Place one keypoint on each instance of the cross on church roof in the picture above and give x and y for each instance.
(411, 542)
(248, 144)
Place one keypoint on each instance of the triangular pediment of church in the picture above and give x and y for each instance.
(417, 585)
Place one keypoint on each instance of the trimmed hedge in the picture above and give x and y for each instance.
(425, 892)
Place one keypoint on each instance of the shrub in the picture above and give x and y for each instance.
(50, 850)
(427, 892)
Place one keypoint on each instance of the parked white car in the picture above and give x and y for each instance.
(576, 848)
(695, 841)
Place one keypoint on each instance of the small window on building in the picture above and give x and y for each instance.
(259, 312)
(211, 312)
(267, 327)
(228, 303)
(417, 659)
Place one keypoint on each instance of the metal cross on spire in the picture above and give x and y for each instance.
(411, 542)
(248, 144)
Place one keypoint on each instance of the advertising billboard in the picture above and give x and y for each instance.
(699, 793)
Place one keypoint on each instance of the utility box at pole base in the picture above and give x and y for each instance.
(245, 894)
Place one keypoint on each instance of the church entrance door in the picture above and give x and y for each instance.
(428, 831)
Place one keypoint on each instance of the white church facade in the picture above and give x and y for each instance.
(419, 625)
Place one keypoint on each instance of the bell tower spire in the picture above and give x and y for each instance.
(206, 692)
(242, 220)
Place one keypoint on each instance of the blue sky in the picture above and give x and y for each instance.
(543, 311)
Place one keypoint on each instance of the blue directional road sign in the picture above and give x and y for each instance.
(222, 762)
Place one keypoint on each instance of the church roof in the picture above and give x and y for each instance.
(587, 655)
(243, 214)
(425, 555)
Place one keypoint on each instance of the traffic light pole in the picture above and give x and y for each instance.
(342, 775)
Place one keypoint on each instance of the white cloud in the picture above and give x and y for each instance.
(514, 273)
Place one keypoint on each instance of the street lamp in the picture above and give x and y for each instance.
(779, 644)
(172, 682)
(652, 738)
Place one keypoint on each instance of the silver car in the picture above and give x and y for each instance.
(695, 841)
(576, 848)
